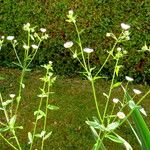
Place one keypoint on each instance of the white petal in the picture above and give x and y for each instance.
(125, 26)
(88, 50)
(136, 91)
(68, 44)
(10, 38)
(129, 78)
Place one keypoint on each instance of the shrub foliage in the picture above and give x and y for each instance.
(96, 17)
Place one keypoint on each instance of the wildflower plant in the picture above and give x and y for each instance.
(105, 124)
(10, 107)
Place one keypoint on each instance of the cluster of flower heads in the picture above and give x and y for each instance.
(121, 115)
(125, 33)
(69, 44)
(27, 27)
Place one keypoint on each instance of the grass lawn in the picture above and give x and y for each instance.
(75, 100)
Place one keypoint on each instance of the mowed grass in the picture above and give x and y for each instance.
(76, 104)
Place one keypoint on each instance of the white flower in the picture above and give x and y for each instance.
(136, 91)
(119, 49)
(108, 34)
(50, 62)
(68, 44)
(10, 38)
(43, 30)
(125, 26)
(88, 50)
(70, 12)
(115, 100)
(12, 95)
(121, 115)
(34, 46)
(25, 46)
(26, 27)
(2, 37)
(129, 78)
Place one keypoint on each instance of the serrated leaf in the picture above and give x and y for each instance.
(52, 107)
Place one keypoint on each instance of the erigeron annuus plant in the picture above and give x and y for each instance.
(104, 127)
(10, 108)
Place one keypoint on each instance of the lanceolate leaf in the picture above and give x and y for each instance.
(142, 129)
(52, 107)
(114, 139)
(126, 144)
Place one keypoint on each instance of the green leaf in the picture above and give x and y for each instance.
(18, 99)
(17, 64)
(112, 126)
(95, 125)
(99, 145)
(39, 114)
(126, 144)
(12, 121)
(114, 139)
(2, 78)
(52, 107)
(117, 69)
(6, 103)
(30, 137)
(116, 84)
(4, 129)
(95, 134)
(141, 127)
(48, 135)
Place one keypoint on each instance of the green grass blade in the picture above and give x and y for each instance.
(142, 129)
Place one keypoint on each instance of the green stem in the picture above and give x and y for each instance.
(14, 133)
(35, 126)
(16, 54)
(46, 111)
(8, 142)
(33, 55)
(20, 90)
(106, 59)
(95, 99)
(80, 45)
(110, 90)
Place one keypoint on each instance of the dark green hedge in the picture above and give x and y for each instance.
(97, 17)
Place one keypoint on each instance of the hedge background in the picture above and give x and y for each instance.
(97, 17)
